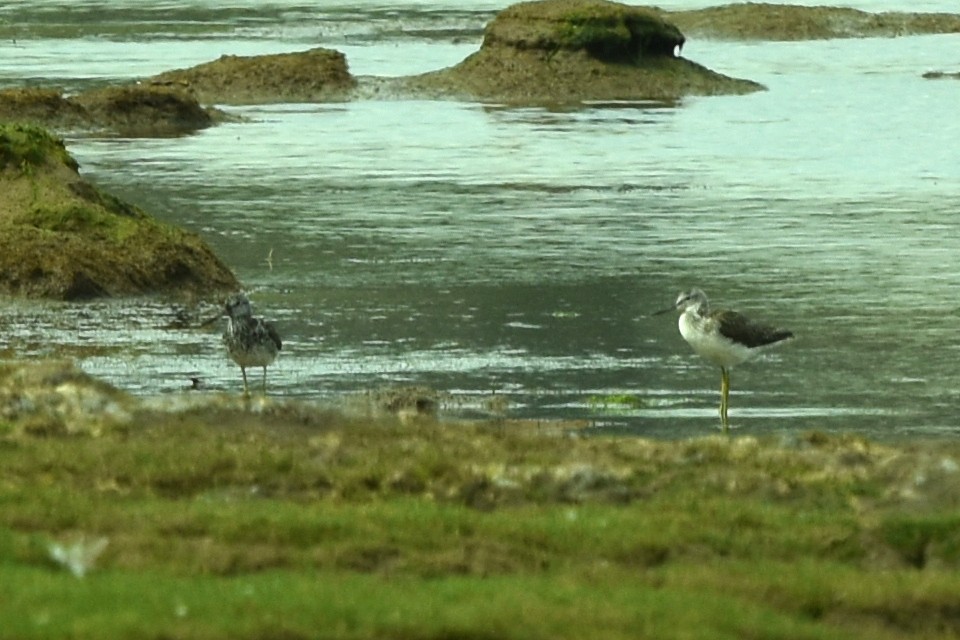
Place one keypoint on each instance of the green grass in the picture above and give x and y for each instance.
(293, 524)
(612, 604)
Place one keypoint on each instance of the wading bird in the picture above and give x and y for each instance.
(721, 337)
(250, 342)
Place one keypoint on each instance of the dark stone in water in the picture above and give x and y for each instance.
(941, 75)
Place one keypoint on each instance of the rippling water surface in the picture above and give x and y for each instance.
(487, 250)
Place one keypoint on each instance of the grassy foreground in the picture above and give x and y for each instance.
(284, 522)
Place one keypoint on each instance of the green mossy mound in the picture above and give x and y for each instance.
(63, 238)
(317, 75)
(608, 31)
(134, 110)
(764, 21)
(562, 51)
(207, 516)
(25, 149)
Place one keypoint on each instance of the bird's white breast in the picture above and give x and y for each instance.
(704, 336)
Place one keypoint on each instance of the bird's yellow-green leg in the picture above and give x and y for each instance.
(246, 390)
(264, 381)
(724, 397)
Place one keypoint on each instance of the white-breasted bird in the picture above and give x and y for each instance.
(722, 337)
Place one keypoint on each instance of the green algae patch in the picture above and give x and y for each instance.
(250, 519)
(23, 148)
(81, 219)
(62, 237)
(617, 400)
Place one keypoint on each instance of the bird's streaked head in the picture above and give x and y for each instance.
(237, 306)
(695, 298)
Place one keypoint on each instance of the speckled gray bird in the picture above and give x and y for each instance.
(250, 342)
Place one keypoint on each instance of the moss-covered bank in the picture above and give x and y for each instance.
(62, 237)
(227, 519)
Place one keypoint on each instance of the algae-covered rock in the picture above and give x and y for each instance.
(132, 110)
(41, 106)
(145, 109)
(316, 75)
(606, 30)
(942, 75)
(61, 237)
(765, 21)
(576, 50)
(407, 403)
(56, 398)
(25, 149)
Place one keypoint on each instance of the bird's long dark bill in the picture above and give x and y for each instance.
(663, 311)
(210, 321)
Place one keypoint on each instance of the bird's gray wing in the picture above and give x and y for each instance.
(741, 329)
(274, 336)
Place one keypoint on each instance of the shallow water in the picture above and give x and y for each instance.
(486, 250)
